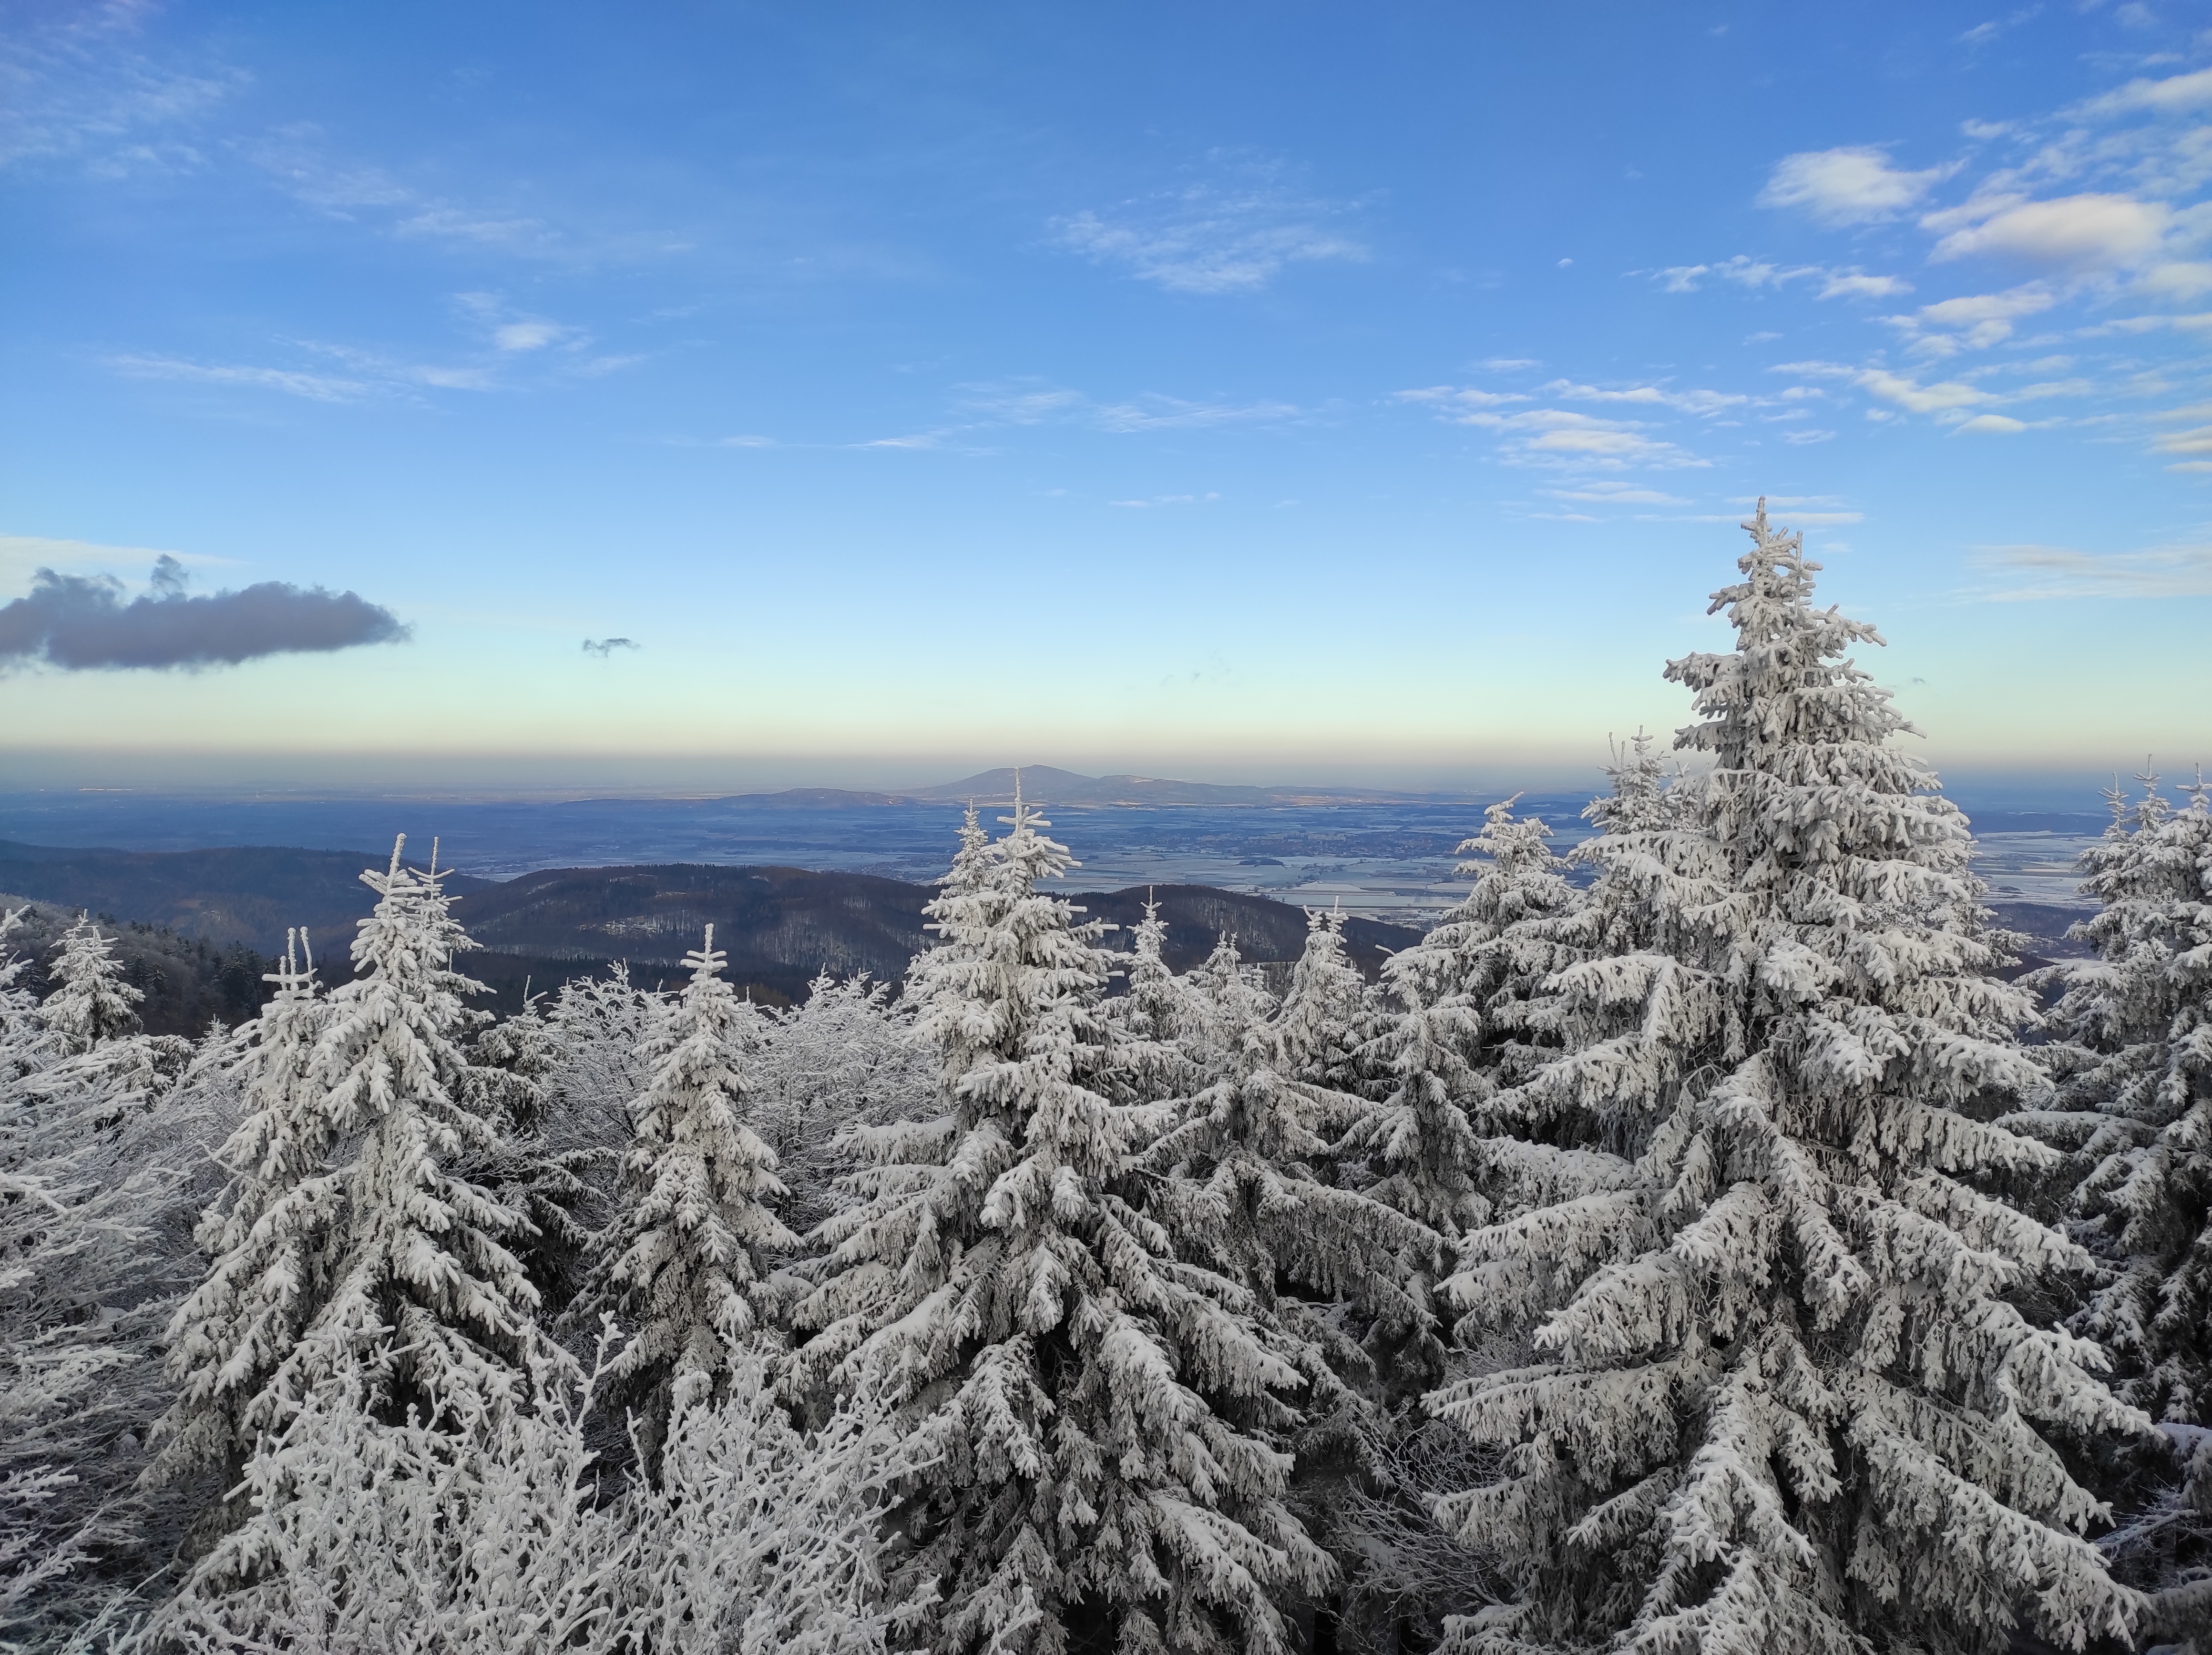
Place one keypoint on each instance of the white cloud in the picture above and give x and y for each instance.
(1853, 284)
(1706, 403)
(1023, 404)
(2195, 441)
(1802, 438)
(1973, 309)
(1560, 437)
(1460, 397)
(1947, 397)
(1209, 239)
(2176, 279)
(77, 88)
(315, 387)
(2173, 95)
(1615, 493)
(2047, 571)
(1757, 274)
(528, 335)
(1854, 185)
(1972, 322)
(2075, 232)
(1995, 423)
(1031, 402)
(1154, 412)
(1742, 269)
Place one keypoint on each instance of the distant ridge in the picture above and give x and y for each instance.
(1049, 784)
(1053, 786)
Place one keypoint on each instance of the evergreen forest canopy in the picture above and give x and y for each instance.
(1716, 1253)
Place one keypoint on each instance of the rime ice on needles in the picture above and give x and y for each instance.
(269, 1238)
(427, 1296)
(90, 1003)
(1095, 1410)
(1318, 1026)
(2136, 1058)
(1781, 1394)
(2142, 1020)
(685, 1261)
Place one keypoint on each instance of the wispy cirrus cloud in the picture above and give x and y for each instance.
(296, 159)
(509, 344)
(1021, 401)
(1229, 234)
(290, 382)
(1615, 493)
(77, 86)
(1703, 403)
(1563, 439)
(1743, 270)
(2030, 573)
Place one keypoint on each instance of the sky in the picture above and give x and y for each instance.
(715, 395)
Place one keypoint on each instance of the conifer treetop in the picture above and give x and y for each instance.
(91, 1003)
(1782, 1394)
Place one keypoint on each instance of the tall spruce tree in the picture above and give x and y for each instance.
(685, 1262)
(2136, 1055)
(268, 1238)
(1102, 1417)
(1781, 1394)
(426, 1295)
(90, 1003)
(2139, 1025)
(1320, 1026)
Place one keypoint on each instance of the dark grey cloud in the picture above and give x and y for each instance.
(78, 623)
(603, 647)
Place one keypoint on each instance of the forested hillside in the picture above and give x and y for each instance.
(1707, 1242)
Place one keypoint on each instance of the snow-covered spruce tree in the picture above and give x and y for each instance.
(99, 1069)
(90, 1002)
(759, 1538)
(270, 1238)
(2140, 1020)
(26, 1043)
(598, 1027)
(1098, 1416)
(1492, 952)
(1319, 1024)
(844, 1057)
(1223, 1000)
(1782, 1397)
(685, 1262)
(2136, 1061)
(498, 1539)
(1238, 1190)
(534, 1166)
(427, 1296)
(1453, 1019)
(91, 1191)
(1146, 1025)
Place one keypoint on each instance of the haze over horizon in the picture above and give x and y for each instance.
(727, 399)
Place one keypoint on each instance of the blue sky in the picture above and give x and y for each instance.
(1251, 391)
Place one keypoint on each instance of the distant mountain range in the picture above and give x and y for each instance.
(780, 926)
(1042, 784)
(246, 895)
